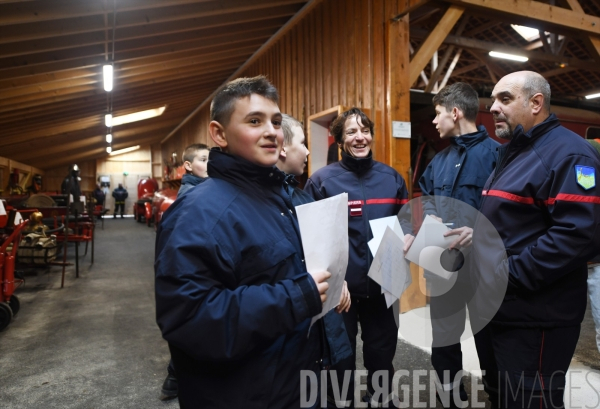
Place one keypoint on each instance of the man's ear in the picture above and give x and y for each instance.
(217, 133)
(187, 165)
(283, 153)
(537, 103)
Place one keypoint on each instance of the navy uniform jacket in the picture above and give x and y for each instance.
(233, 297)
(544, 200)
(188, 181)
(374, 191)
(120, 194)
(459, 172)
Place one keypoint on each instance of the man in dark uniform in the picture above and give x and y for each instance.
(70, 184)
(120, 194)
(544, 201)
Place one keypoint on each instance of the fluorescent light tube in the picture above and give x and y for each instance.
(107, 70)
(512, 57)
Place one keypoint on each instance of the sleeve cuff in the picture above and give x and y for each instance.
(311, 294)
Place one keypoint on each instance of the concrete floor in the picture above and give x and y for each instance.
(95, 344)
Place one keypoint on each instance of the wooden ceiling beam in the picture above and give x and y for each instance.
(542, 14)
(470, 43)
(433, 42)
(150, 40)
(90, 24)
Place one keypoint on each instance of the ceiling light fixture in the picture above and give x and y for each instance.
(592, 96)
(108, 120)
(125, 150)
(108, 149)
(108, 138)
(108, 77)
(505, 56)
(528, 33)
(138, 116)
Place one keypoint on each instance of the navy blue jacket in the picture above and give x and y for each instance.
(120, 194)
(459, 172)
(547, 213)
(188, 181)
(233, 297)
(336, 345)
(375, 189)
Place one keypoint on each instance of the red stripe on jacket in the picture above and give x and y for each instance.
(566, 197)
(378, 201)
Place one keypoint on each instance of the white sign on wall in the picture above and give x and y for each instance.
(401, 129)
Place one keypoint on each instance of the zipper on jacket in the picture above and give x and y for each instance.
(366, 224)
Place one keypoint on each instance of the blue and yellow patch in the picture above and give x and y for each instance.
(586, 176)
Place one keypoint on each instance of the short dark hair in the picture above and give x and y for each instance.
(337, 126)
(190, 151)
(460, 95)
(222, 104)
(287, 123)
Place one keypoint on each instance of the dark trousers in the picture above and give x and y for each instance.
(448, 317)
(532, 364)
(379, 334)
(171, 368)
(119, 205)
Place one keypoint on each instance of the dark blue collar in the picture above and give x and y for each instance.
(521, 138)
(239, 171)
(357, 165)
(470, 139)
(191, 179)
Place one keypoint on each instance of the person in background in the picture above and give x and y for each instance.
(195, 159)
(70, 184)
(233, 297)
(543, 200)
(120, 194)
(457, 172)
(99, 195)
(374, 191)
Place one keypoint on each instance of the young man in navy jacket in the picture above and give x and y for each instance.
(544, 200)
(233, 298)
(458, 172)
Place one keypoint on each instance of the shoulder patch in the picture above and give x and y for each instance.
(586, 176)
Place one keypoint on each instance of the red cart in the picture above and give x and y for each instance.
(9, 303)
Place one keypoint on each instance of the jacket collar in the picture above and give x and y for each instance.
(470, 139)
(357, 165)
(191, 179)
(239, 171)
(521, 138)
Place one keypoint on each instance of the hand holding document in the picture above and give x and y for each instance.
(429, 245)
(324, 231)
(389, 268)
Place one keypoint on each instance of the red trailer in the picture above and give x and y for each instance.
(142, 209)
(9, 303)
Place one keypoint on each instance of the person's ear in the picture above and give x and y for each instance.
(456, 114)
(187, 165)
(536, 103)
(217, 133)
(283, 153)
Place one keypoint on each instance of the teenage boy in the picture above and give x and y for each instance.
(233, 298)
(458, 172)
(292, 161)
(195, 159)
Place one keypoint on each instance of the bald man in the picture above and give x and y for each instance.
(544, 200)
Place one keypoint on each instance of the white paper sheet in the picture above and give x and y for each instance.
(378, 227)
(324, 231)
(429, 245)
(2, 209)
(389, 268)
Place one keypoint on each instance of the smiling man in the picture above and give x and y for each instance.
(548, 217)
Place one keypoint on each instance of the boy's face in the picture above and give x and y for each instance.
(295, 154)
(198, 165)
(357, 138)
(444, 122)
(253, 132)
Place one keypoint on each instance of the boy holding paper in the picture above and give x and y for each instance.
(233, 298)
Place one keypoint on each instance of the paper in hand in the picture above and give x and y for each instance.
(324, 230)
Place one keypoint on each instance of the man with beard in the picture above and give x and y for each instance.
(544, 201)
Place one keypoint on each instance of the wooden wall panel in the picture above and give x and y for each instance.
(335, 55)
